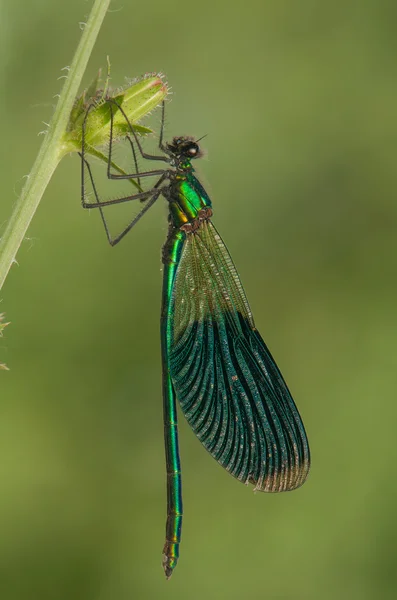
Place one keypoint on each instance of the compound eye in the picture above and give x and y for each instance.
(193, 150)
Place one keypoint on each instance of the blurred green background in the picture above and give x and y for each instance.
(299, 101)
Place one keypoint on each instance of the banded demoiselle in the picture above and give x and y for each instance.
(214, 360)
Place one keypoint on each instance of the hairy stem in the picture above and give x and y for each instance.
(53, 148)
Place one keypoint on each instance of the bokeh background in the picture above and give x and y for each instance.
(299, 103)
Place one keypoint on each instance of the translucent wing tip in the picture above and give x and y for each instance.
(285, 481)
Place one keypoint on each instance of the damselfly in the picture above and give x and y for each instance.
(214, 360)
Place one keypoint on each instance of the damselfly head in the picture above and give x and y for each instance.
(185, 146)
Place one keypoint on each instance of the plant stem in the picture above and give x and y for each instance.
(52, 148)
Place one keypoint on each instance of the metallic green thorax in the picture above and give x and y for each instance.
(187, 198)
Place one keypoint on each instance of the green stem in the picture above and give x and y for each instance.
(52, 149)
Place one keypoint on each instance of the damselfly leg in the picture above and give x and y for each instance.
(149, 196)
